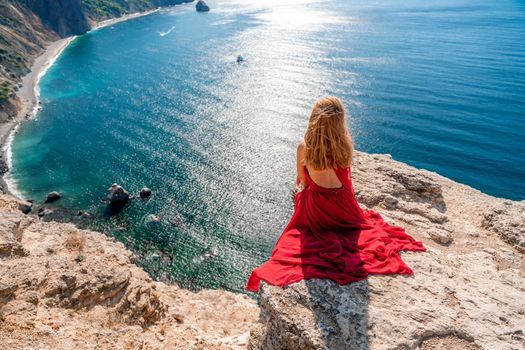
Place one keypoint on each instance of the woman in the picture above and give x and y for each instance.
(329, 235)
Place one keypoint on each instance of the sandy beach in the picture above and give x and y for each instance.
(28, 94)
(112, 21)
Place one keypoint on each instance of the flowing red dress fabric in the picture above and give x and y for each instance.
(330, 236)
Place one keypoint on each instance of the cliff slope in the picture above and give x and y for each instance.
(468, 291)
(23, 37)
(64, 288)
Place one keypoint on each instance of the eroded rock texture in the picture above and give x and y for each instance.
(65, 288)
(468, 291)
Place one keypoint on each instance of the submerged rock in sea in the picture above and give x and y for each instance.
(44, 211)
(84, 214)
(145, 192)
(201, 6)
(117, 196)
(53, 196)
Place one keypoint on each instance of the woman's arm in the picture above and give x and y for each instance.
(301, 177)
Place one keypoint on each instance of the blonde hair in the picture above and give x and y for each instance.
(327, 140)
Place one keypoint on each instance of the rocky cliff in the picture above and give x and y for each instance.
(468, 291)
(23, 37)
(64, 17)
(64, 288)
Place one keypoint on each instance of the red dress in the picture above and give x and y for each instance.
(330, 236)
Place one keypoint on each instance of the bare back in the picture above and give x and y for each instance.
(324, 178)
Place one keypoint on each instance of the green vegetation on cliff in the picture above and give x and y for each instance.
(4, 90)
(103, 9)
(98, 9)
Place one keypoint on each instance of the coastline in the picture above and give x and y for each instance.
(29, 96)
(111, 21)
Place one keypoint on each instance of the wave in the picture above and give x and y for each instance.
(166, 33)
(8, 177)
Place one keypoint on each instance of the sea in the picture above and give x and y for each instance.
(161, 101)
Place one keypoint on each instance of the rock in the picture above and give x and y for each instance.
(145, 192)
(44, 211)
(201, 6)
(456, 300)
(508, 220)
(84, 214)
(26, 207)
(68, 287)
(52, 196)
(117, 196)
(440, 236)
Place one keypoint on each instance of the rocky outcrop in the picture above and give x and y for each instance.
(53, 196)
(468, 291)
(65, 288)
(201, 6)
(23, 36)
(64, 17)
(117, 196)
(145, 193)
(508, 220)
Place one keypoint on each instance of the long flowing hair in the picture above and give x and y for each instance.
(327, 141)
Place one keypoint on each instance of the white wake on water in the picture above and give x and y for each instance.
(166, 33)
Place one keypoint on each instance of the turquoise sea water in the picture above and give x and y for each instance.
(159, 101)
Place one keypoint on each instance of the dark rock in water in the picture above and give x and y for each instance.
(117, 196)
(84, 214)
(52, 196)
(44, 211)
(201, 6)
(25, 206)
(145, 192)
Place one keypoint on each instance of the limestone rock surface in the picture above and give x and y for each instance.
(65, 288)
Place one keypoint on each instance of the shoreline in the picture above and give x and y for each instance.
(29, 96)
